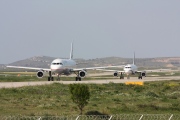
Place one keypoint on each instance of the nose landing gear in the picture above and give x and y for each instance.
(140, 76)
(50, 78)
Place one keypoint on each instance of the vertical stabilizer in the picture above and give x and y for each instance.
(134, 59)
(71, 53)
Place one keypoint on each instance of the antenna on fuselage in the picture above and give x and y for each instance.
(71, 53)
(134, 59)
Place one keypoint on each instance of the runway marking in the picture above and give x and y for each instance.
(135, 83)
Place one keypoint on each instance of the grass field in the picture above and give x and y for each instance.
(152, 98)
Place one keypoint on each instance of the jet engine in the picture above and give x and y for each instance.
(143, 74)
(82, 73)
(115, 74)
(40, 74)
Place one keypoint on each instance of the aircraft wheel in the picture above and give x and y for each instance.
(76, 78)
(121, 77)
(52, 78)
(49, 79)
(79, 78)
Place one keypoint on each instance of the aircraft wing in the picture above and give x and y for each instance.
(119, 66)
(94, 68)
(146, 71)
(30, 68)
(111, 70)
(156, 70)
(90, 68)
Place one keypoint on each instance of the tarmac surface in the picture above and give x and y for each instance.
(132, 79)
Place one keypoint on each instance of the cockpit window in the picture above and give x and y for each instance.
(57, 64)
(127, 67)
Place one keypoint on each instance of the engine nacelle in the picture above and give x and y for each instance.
(82, 74)
(143, 74)
(115, 74)
(40, 74)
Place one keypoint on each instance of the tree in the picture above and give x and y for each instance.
(80, 95)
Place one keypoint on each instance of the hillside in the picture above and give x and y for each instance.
(45, 61)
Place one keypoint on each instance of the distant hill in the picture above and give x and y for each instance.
(45, 61)
(140, 62)
(36, 61)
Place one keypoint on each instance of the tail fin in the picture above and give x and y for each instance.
(71, 52)
(134, 59)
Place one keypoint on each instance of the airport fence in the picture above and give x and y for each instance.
(98, 117)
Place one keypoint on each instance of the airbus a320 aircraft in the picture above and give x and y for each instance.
(61, 67)
(131, 69)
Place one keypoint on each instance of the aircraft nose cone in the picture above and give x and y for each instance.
(128, 72)
(55, 68)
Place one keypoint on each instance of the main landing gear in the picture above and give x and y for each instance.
(128, 77)
(121, 76)
(50, 78)
(78, 78)
(140, 76)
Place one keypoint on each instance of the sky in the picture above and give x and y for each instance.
(98, 28)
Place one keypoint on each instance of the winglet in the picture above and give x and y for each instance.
(71, 52)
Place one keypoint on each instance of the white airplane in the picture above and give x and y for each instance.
(61, 67)
(131, 69)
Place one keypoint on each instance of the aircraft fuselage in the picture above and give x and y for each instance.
(130, 69)
(62, 66)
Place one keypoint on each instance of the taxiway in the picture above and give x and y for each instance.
(132, 79)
